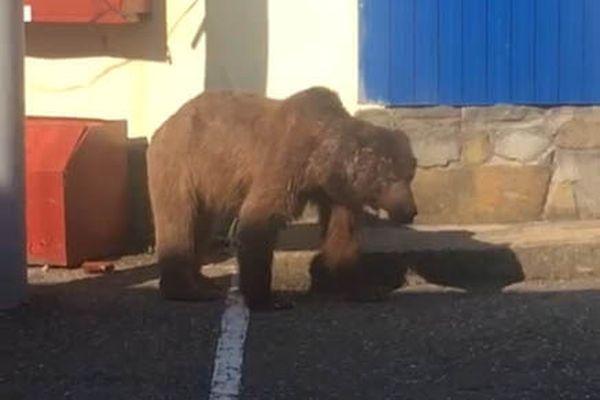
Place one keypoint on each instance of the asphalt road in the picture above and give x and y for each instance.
(538, 341)
(112, 337)
(106, 337)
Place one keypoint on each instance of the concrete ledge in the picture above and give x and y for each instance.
(469, 257)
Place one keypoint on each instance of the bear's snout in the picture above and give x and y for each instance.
(399, 203)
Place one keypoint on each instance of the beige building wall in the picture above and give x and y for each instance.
(144, 72)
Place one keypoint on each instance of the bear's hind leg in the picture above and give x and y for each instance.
(177, 248)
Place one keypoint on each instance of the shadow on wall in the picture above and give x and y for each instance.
(141, 230)
(146, 40)
(236, 34)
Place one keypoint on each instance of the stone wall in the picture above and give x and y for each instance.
(502, 163)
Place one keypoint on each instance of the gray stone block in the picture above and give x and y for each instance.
(500, 113)
(523, 143)
(433, 143)
(580, 133)
(376, 116)
(426, 112)
(582, 167)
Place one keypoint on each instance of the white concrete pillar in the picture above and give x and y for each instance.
(13, 272)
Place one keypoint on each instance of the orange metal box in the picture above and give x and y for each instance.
(76, 190)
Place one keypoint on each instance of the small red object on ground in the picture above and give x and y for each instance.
(98, 267)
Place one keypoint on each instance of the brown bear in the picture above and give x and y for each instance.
(262, 160)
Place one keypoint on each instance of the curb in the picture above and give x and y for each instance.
(477, 257)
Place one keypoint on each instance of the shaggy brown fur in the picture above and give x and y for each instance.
(227, 153)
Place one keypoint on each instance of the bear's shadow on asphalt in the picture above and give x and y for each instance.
(448, 258)
(470, 269)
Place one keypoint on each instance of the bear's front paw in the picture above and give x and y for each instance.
(322, 279)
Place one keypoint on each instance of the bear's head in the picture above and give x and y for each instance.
(367, 165)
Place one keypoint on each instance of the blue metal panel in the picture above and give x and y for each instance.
(402, 51)
(571, 51)
(591, 61)
(546, 51)
(374, 39)
(426, 51)
(450, 53)
(522, 66)
(499, 50)
(416, 52)
(474, 39)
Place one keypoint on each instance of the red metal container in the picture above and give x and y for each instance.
(87, 11)
(76, 190)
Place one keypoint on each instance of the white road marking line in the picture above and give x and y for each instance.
(229, 357)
